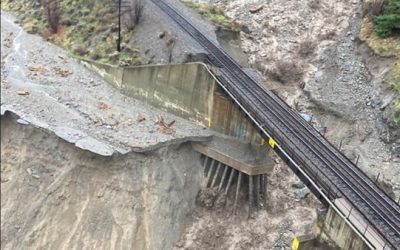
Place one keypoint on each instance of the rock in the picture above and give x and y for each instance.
(31, 29)
(382, 130)
(22, 92)
(179, 244)
(318, 76)
(22, 121)
(301, 193)
(245, 29)
(276, 18)
(386, 100)
(207, 197)
(4, 180)
(298, 185)
(256, 9)
(162, 35)
(306, 117)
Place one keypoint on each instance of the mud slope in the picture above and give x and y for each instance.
(57, 196)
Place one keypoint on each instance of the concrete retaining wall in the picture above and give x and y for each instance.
(187, 90)
(336, 230)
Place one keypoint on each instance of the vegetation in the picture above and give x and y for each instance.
(389, 20)
(214, 13)
(306, 47)
(373, 8)
(378, 30)
(133, 13)
(87, 28)
(52, 14)
(285, 71)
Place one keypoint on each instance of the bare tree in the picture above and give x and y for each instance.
(133, 12)
(52, 14)
(170, 43)
(374, 8)
(138, 7)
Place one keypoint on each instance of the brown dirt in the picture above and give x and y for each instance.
(214, 227)
(57, 196)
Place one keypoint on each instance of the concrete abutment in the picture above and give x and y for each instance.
(187, 90)
(192, 92)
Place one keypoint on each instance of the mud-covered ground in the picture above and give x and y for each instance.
(290, 211)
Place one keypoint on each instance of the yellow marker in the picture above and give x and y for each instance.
(295, 244)
(262, 142)
(271, 142)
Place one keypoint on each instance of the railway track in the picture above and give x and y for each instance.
(298, 143)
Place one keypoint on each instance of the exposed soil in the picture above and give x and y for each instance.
(55, 195)
(287, 215)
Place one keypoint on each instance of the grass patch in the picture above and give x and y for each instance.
(88, 29)
(387, 47)
(214, 13)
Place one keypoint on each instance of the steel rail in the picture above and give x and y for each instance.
(333, 154)
(318, 139)
(338, 158)
(347, 171)
(344, 184)
(300, 170)
(306, 139)
(362, 199)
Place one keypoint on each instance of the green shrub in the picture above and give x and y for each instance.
(389, 20)
(214, 13)
(89, 27)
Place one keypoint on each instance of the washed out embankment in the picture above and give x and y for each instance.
(58, 196)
